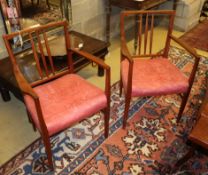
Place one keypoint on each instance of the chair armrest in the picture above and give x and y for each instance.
(185, 46)
(27, 89)
(125, 51)
(100, 63)
(193, 53)
(91, 58)
(23, 84)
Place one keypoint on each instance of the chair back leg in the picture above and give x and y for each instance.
(183, 105)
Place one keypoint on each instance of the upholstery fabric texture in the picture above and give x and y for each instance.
(152, 77)
(65, 101)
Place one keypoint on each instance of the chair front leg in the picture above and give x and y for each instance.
(46, 141)
(126, 110)
(5, 94)
(106, 118)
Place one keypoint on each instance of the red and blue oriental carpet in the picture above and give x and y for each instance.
(150, 144)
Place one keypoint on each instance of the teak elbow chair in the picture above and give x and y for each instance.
(157, 75)
(58, 98)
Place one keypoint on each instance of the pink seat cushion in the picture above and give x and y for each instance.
(153, 77)
(66, 101)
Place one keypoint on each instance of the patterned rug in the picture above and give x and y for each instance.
(151, 143)
(198, 36)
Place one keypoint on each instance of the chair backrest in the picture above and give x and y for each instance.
(35, 46)
(144, 30)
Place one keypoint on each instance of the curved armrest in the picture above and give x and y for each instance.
(193, 53)
(91, 58)
(125, 51)
(185, 46)
(27, 89)
(23, 84)
(100, 63)
(127, 55)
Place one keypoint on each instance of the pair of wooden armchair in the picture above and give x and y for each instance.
(58, 98)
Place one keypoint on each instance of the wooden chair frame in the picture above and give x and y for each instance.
(125, 54)
(27, 88)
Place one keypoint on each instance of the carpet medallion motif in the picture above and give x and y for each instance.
(151, 143)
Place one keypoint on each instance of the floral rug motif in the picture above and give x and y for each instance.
(198, 36)
(151, 143)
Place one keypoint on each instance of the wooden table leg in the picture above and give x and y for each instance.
(5, 94)
(100, 69)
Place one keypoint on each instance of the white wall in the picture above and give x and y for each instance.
(89, 17)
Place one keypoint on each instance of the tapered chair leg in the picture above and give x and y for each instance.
(5, 94)
(121, 87)
(183, 105)
(46, 140)
(106, 118)
(126, 110)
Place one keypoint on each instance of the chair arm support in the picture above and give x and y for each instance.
(127, 55)
(125, 51)
(193, 53)
(23, 84)
(185, 46)
(100, 63)
(91, 58)
(27, 89)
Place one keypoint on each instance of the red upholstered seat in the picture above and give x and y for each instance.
(72, 105)
(153, 77)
